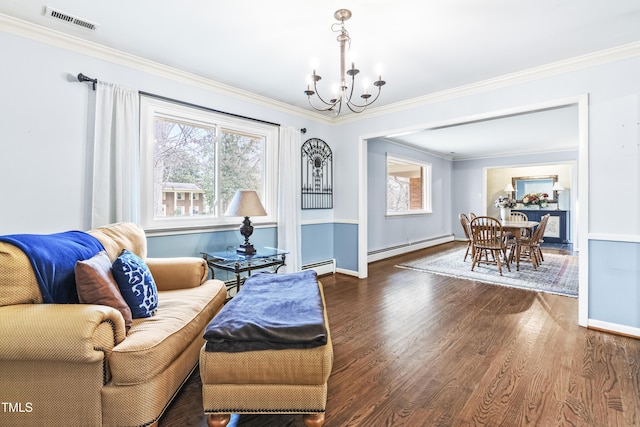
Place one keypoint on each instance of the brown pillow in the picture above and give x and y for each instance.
(96, 285)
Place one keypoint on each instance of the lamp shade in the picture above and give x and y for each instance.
(245, 203)
(557, 187)
(509, 187)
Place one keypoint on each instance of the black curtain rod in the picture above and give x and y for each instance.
(83, 78)
(188, 104)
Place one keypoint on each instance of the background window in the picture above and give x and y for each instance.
(408, 186)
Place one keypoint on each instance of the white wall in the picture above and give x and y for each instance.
(47, 127)
(391, 231)
(46, 135)
(612, 158)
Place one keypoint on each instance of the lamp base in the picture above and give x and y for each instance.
(246, 249)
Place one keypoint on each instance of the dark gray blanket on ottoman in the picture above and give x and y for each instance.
(271, 312)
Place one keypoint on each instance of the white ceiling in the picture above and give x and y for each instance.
(554, 129)
(423, 46)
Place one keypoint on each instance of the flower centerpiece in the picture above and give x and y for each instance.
(505, 204)
(535, 199)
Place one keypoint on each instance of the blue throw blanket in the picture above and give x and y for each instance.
(53, 258)
(271, 311)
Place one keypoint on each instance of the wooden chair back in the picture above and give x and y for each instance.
(466, 226)
(538, 235)
(487, 232)
(518, 216)
(489, 239)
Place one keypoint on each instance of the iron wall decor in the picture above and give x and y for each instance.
(317, 175)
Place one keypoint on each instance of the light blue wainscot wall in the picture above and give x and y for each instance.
(345, 247)
(317, 242)
(194, 244)
(614, 282)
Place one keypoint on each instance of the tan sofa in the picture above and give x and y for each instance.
(74, 364)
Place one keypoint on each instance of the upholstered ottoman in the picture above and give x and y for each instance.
(269, 351)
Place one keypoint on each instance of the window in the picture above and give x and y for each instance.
(408, 186)
(195, 160)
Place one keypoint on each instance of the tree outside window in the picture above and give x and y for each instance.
(193, 163)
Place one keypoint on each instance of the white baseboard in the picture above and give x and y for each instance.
(614, 328)
(408, 247)
(322, 267)
(347, 272)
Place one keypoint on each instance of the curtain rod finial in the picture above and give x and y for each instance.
(83, 78)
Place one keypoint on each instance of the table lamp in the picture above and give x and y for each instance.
(246, 203)
(509, 189)
(558, 189)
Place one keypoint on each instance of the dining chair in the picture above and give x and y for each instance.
(466, 226)
(520, 217)
(543, 225)
(528, 249)
(472, 216)
(488, 237)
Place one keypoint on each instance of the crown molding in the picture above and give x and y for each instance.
(76, 44)
(605, 56)
(69, 42)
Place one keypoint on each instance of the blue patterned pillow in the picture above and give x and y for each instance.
(136, 284)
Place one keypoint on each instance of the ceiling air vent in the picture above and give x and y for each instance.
(56, 14)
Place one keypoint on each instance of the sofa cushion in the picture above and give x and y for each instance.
(96, 285)
(136, 284)
(153, 343)
(116, 237)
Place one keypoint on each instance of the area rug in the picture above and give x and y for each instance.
(558, 274)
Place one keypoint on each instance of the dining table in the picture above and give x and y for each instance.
(516, 229)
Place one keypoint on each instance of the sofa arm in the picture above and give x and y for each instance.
(178, 272)
(77, 333)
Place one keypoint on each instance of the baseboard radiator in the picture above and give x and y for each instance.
(322, 267)
(407, 247)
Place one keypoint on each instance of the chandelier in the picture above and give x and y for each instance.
(344, 94)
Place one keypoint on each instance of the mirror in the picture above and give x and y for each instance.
(535, 184)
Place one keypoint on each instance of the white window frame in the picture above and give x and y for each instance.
(150, 108)
(426, 186)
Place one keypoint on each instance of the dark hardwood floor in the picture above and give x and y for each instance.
(417, 349)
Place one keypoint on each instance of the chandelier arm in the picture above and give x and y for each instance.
(331, 104)
(367, 103)
(357, 109)
(316, 108)
(328, 108)
(339, 102)
(353, 83)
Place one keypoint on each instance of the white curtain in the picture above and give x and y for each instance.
(289, 198)
(116, 156)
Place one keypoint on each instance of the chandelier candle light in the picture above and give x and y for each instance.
(345, 93)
